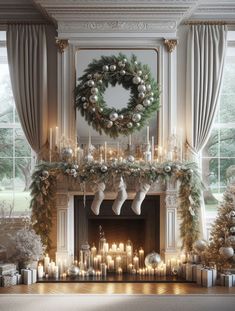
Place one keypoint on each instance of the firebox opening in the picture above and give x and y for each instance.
(143, 230)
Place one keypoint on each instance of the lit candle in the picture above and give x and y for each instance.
(105, 151)
(111, 265)
(119, 271)
(130, 267)
(64, 275)
(56, 136)
(141, 256)
(95, 263)
(118, 262)
(56, 272)
(46, 263)
(50, 139)
(103, 269)
(114, 247)
(40, 271)
(106, 247)
(121, 247)
(99, 258)
(147, 133)
(136, 262)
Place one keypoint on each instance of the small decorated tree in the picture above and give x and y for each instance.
(222, 241)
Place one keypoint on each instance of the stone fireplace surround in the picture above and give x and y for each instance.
(63, 224)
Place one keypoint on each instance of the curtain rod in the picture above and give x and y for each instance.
(215, 22)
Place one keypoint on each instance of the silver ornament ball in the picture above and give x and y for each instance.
(141, 95)
(152, 260)
(129, 125)
(121, 64)
(136, 117)
(139, 107)
(113, 116)
(93, 99)
(85, 105)
(73, 271)
(151, 99)
(121, 117)
(105, 68)
(83, 99)
(226, 252)
(146, 102)
(109, 124)
(122, 72)
(136, 80)
(89, 76)
(103, 168)
(142, 88)
(131, 158)
(101, 109)
(113, 67)
(94, 90)
(231, 240)
(67, 153)
(90, 83)
(200, 245)
(232, 229)
(139, 73)
(167, 168)
(100, 82)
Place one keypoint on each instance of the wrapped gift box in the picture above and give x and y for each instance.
(19, 278)
(228, 280)
(233, 277)
(214, 276)
(33, 275)
(27, 276)
(9, 280)
(199, 274)
(7, 268)
(207, 278)
(190, 272)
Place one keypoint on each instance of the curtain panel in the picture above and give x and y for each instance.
(27, 57)
(206, 49)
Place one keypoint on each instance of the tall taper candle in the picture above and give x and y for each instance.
(152, 149)
(147, 133)
(129, 140)
(56, 136)
(50, 139)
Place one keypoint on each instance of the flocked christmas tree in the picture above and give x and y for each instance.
(222, 241)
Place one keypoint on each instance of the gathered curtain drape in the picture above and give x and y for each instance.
(27, 57)
(206, 48)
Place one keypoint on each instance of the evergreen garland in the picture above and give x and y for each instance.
(43, 189)
(133, 76)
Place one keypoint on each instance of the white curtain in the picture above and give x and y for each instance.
(27, 57)
(205, 62)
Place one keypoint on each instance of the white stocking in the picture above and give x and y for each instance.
(98, 198)
(139, 198)
(121, 197)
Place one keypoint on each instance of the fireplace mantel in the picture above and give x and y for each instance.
(169, 222)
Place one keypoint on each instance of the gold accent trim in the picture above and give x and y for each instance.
(170, 44)
(212, 22)
(62, 44)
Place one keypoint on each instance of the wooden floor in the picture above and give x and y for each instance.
(112, 288)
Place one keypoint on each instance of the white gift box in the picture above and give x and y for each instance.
(189, 272)
(228, 280)
(27, 276)
(207, 278)
(33, 275)
(19, 278)
(233, 277)
(9, 280)
(214, 276)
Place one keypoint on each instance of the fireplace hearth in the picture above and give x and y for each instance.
(143, 230)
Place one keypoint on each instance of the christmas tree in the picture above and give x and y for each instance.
(222, 240)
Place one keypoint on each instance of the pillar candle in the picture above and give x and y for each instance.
(118, 262)
(152, 149)
(114, 247)
(103, 269)
(136, 262)
(106, 247)
(46, 263)
(40, 271)
(121, 247)
(141, 257)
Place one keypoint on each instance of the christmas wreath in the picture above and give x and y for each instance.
(133, 76)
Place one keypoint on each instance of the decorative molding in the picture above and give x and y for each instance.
(62, 44)
(170, 44)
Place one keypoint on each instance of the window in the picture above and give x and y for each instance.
(218, 156)
(16, 159)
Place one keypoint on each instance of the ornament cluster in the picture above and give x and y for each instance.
(144, 95)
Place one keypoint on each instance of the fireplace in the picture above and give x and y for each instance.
(143, 230)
